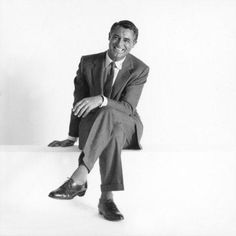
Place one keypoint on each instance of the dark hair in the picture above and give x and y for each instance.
(127, 25)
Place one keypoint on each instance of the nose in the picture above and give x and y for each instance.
(120, 43)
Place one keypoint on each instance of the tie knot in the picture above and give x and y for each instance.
(113, 64)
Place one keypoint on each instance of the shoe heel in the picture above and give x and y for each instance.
(81, 194)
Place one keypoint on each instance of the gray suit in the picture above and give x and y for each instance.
(105, 131)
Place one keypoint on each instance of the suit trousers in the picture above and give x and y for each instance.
(103, 133)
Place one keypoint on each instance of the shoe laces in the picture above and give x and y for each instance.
(67, 183)
(111, 205)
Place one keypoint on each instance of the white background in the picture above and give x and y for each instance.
(189, 102)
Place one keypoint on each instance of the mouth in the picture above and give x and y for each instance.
(119, 50)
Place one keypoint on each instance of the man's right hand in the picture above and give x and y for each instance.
(63, 143)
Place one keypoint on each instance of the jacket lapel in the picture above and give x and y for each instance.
(122, 76)
(98, 72)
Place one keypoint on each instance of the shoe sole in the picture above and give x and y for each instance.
(80, 194)
(107, 218)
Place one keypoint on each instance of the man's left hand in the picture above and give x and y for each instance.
(84, 106)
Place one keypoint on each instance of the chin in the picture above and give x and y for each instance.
(119, 57)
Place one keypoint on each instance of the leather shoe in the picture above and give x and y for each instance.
(109, 210)
(69, 190)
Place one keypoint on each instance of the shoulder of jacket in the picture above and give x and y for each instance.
(92, 57)
(137, 62)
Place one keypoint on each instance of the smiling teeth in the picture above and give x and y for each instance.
(119, 49)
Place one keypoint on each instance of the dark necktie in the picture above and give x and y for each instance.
(109, 80)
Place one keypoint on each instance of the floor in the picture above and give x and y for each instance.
(166, 194)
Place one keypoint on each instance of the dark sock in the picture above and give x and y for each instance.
(80, 175)
(106, 195)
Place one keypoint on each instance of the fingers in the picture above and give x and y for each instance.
(67, 143)
(55, 143)
(64, 143)
(78, 106)
(50, 144)
(81, 111)
(86, 112)
(81, 107)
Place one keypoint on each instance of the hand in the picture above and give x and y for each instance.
(63, 143)
(83, 107)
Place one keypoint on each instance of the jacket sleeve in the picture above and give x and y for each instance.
(80, 91)
(131, 94)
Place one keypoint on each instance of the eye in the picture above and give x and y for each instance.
(115, 36)
(127, 40)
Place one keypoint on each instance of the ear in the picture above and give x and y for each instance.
(109, 36)
(134, 43)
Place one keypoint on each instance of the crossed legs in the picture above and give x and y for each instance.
(103, 134)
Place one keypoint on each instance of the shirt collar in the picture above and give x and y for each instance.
(117, 63)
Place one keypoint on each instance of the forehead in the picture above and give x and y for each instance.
(123, 32)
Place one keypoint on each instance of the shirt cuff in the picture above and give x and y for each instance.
(74, 139)
(105, 101)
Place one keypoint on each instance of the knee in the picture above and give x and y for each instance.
(106, 110)
(106, 114)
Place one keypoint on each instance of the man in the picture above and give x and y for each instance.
(108, 86)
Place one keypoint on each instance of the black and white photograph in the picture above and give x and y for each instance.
(118, 118)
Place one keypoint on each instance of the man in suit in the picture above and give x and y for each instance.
(108, 87)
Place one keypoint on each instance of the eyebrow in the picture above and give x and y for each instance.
(116, 35)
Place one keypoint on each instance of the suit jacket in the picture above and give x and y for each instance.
(126, 90)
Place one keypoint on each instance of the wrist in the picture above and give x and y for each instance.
(104, 102)
(73, 139)
(101, 100)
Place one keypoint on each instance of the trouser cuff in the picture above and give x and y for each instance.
(112, 187)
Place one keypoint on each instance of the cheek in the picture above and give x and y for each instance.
(114, 41)
(129, 47)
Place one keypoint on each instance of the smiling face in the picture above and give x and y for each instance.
(121, 41)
